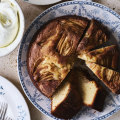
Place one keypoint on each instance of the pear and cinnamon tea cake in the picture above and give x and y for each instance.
(52, 57)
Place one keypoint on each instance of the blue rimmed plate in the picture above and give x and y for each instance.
(17, 107)
(86, 9)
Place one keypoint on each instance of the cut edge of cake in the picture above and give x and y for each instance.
(95, 35)
(108, 76)
(93, 95)
(105, 56)
(66, 101)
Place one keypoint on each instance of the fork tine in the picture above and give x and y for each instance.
(3, 110)
(0, 110)
(8, 118)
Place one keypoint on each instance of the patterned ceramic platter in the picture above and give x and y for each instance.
(86, 9)
(17, 107)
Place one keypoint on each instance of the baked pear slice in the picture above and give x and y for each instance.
(95, 35)
(72, 30)
(106, 56)
(50, 71)
(109, 77)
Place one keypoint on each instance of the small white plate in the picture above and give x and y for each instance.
(42, 2)
(17, 107)
(47, 2)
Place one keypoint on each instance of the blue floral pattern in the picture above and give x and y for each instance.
(86, 9)
(21, 113)
(2, 92)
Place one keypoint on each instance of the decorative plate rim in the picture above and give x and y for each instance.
(23, 41)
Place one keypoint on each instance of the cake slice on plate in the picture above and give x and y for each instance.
(77, 89)
(109, 77)
(66, 101)
(93, 95)
(106, 56)
(95, 35)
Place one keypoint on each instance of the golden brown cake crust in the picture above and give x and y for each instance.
(51, 54)
(109, 77)
(106, 56)
(95, 35)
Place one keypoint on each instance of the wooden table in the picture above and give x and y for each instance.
(8, 64)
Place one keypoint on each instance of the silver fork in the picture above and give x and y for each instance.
(8, 118)
(3, 109)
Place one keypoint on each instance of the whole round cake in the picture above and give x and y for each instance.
(52, 59)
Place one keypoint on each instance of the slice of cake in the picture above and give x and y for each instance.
(66, 101)
(72, 31)
(92, 94)
(75, 90)
(109, 77)
(106, 56)
(95, 35)
(50, 72)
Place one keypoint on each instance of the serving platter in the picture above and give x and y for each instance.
(81, 8)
